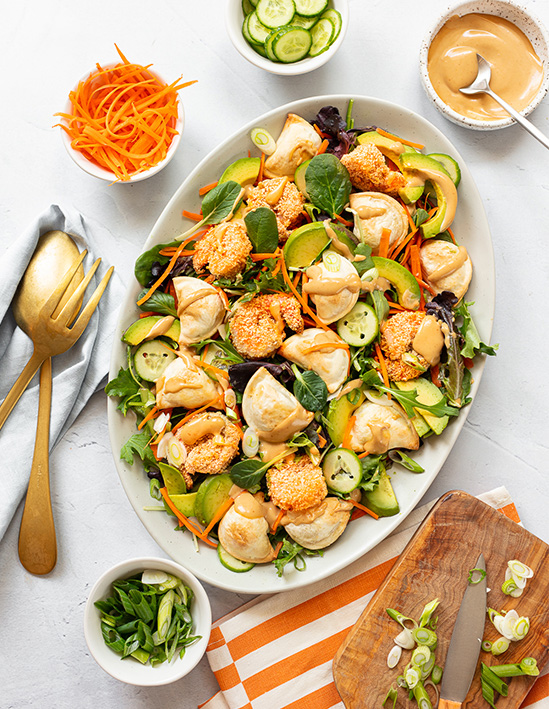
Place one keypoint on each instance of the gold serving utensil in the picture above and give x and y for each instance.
(50, 332)
(54, 254)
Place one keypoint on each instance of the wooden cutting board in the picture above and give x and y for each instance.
(436, 564)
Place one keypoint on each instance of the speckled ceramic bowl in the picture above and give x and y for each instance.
(519, 16)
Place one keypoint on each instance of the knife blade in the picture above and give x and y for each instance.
(464, 649)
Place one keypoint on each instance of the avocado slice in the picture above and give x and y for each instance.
(305, 244)
(173, 480)
(185, 503)
(243, 171)
(445, 190)
(406, 285)
(339, 412)
(140, 330)
(427, 393)
(299, 178)
(382, 500)
(211, 494)
(409, 193)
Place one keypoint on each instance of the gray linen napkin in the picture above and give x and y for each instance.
(77, 373)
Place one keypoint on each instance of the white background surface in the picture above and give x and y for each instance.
(45, 47)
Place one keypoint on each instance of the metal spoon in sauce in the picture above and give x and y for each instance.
(53, 256)
(482, 85)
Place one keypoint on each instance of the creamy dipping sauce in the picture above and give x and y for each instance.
(517, 71)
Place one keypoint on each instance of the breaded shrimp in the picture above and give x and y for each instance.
(257, 327)
(369, 172)
(397, 335)
(283, 197)
(223, 250)
(296, 485)
(211, 440)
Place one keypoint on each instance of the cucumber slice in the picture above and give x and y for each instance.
(231, 562)
(343, 470)
(268, 45)
(310, 8)
(151, 359)
(291, 44)
(360, 326)
(335, 18)
(246, 32)
(305, 22)
(248, 6)
(275, 13)
(451, 166)
(322, 33)
(257, 31)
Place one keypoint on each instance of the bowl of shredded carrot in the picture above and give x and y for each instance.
(123, 122)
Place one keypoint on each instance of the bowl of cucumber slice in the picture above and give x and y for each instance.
(287, 37)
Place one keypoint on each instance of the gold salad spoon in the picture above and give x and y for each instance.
(47, 301)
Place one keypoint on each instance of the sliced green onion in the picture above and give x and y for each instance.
(436, 674)
(154, 489)
(401, 619)
(263, 140)
(476, 576)
(528, 666)
(421, 655)
(394, 656)
(490, 677)
(521, 628)
(424, 636)
(488, 693)
(153, 576)
(427, 612)
(412, 675)
(392, 695)
(170, 582)
(421, 696)
(165, 614)
(520, 569)
(509, 586)
(405, 639)
(141, 655)
(401, 682)
(427, 667)
(499, 646)
(492, 614)
(486, 646)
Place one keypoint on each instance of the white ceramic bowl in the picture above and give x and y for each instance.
(103, 174)
(519, 16)
(234, 17)
(129, 670)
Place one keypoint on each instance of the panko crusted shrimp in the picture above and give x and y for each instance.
(223, 250)
(297, 484)
(212, 442)
(369, 171)
(283, 197)
(257, 327)
(397, 336)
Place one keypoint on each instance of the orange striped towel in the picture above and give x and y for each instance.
(276, 652)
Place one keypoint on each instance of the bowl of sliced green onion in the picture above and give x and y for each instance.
(287, 37)
(147, 621)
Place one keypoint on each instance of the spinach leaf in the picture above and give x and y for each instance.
(248, 473)
(159, 302)
(310, 390)
(367, 263)
(262, 230)
(328, 183)
(372, 469)
(138, 444)
(398, 456)
(145, 261)
(220, 202)
(469, 332)
(420, 216)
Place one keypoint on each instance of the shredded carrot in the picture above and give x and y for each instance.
(276, 269)
(395, 306)
(451, 234)
(345, 222)
(363, 455)
(323, 146)
(224, 507)
(435, 369)
(184, 521)
(261, 168)
(284, 270)
(399, 140)
(146, 314)
(296, 278)
(383, 366)
(212, 403)
(384, 242)
(192, 215)
(123, 118)
(279, 517)
(415, 263)
(347, 435)
(219, 372)
(304, 281)
(153, 413)
(320, 133)
(364, 509)
(204, 190)
(263, 256)
(325, 345)
(277, 549)
(223, 297)
(394, 252)
(425, 285)
(321, 441)
(166, 273)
